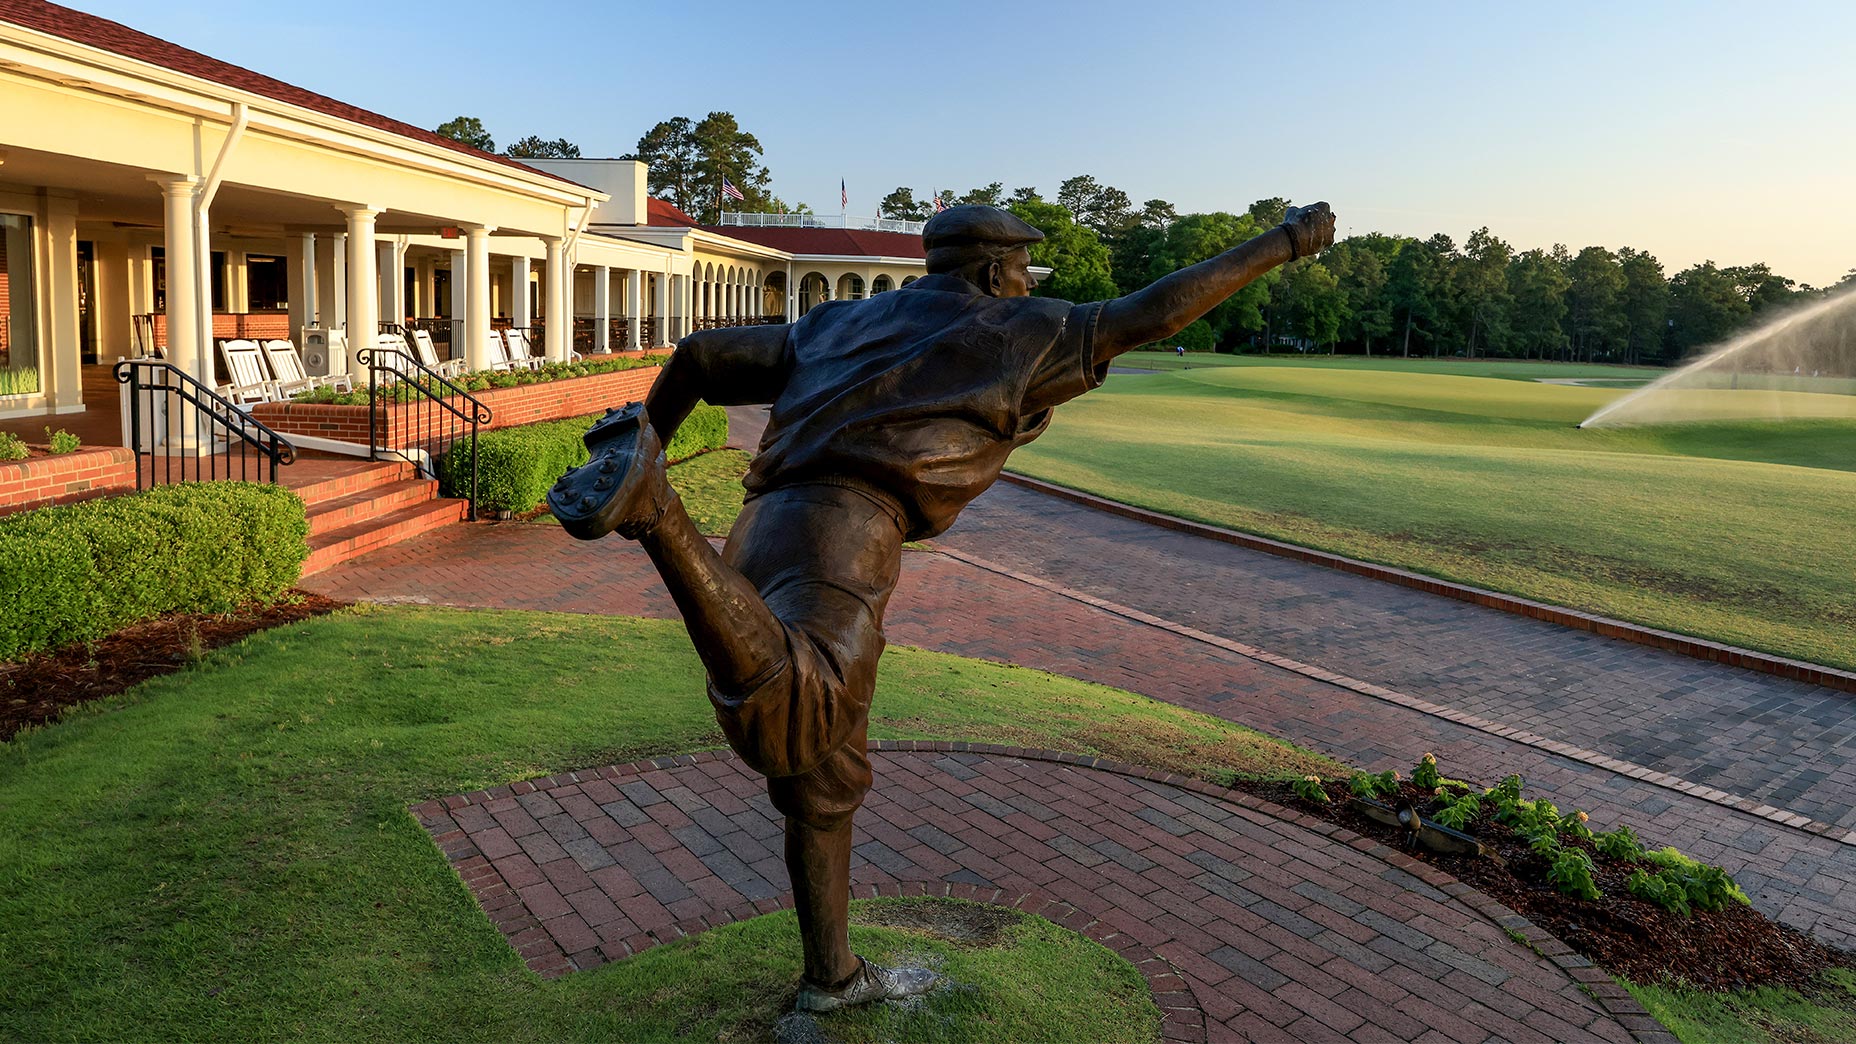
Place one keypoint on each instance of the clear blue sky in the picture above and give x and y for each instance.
(1695, 130)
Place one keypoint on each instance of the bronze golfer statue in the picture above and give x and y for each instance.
(888, 416)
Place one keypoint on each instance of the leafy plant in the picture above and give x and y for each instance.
(1425, 774)
(1620, 844)
(62, 441)
(1657, 889)
(1708, 887)
(1571, 872)
(1507, 791)
(1367, 785)
(12, 447)
(1529, 818)
(1457, 814)
(1309, 789)
(1575, 825)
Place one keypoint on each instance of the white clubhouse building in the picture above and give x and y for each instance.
(153, 199)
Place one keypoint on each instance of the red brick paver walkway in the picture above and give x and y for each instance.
(1249, 921)
(1800, 878)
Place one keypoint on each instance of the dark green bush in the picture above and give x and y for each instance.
(81, 571)
(515, 466)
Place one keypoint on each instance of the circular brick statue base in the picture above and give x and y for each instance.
(1249, 921)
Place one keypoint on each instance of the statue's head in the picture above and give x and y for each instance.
(983, 245)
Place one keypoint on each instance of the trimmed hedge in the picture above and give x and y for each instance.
(517, 465)
(77, 572)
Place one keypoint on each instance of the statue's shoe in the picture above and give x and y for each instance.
(873, 982)
(622, 488)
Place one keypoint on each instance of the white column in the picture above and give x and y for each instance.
(560, 277)
(308, 291)
(455, 307)
(363, 285)
(792, 295)
(661, 307)
(185, 346)
(520, 312)
(634, 308)
(602, 309)
(338, 286)
(203, 289)
(685, 304)
(391, 290)
(477, 299)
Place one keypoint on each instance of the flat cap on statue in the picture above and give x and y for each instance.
(976, 225)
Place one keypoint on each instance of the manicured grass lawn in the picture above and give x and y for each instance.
(225, 853)
(1732, 531)
(710, 486)
(1762, 1016)
(1505, 369)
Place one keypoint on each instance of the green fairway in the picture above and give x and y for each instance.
(1506, 369)
(226, 853)
(1735, 531)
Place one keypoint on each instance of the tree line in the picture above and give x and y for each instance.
(1379, 294)
(1372, 293)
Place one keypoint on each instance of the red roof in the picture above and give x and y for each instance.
(851, 241)
(659, 212)
(117, 38)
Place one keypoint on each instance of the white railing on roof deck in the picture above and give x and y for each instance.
(912, 228)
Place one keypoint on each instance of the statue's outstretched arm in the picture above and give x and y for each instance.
(734, 366)
(1168, 305)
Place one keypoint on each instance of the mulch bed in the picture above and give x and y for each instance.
(37, 689)
(1734, 949)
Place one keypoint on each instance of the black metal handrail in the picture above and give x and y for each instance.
(153, 381)
(429, 389)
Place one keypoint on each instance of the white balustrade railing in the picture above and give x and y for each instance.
(912, 228)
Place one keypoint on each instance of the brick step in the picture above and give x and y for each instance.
(363, 477)
(373, 502)
(352, 541)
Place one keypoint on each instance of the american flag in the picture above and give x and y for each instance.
(729, 190)
(844, 195)
(939, 204)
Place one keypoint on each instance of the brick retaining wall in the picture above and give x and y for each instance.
(57, 479)
(509, 407)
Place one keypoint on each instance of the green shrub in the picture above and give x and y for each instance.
(62, 441)
(1425, 775)
(515, 466)
(1619, 844)
(81, 571)
(1708, 887)
(1571, 873)
(12, 447)
(1309, 789)
(1367, 785)
(1457, 814)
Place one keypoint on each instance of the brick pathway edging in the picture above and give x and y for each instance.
(1701, 649)
(1736, 802)
(1183, 1017)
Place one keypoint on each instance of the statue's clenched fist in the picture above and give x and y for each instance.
(1310, 228)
